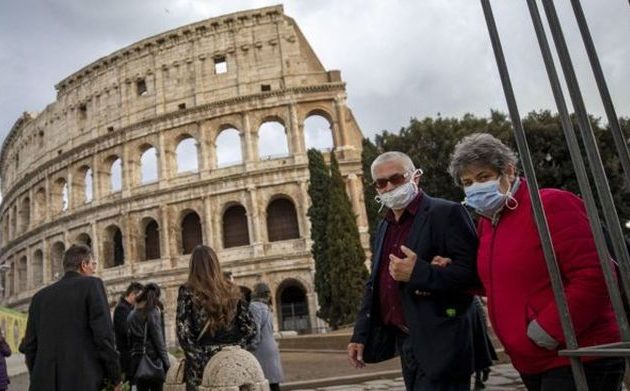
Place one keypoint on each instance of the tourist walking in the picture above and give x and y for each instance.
(264, 346)
(69, 342)
(210, 315)
(512, 268)
(121, 312)
(146, 339)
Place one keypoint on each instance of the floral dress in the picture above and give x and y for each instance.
(191, 319)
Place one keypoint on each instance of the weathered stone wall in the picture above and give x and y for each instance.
(155, 94)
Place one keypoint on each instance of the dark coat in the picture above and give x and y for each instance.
(69, 341)
(121, 312)
(437, 309)
(155, 345)
(5, 351)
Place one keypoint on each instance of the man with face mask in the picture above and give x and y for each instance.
(411, 308)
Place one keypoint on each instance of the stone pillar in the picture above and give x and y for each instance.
(46, 261)
(217, 231)
(204, 153)
(297, 135)
(127, 176)
(305, 201)
(255, 222)
(71, 198)
(29, 271)
(339, 131)
(353, 187)
(31, 210)
(166, 250)
(129, 240)
(96, 181)
(96, 246)
(47, 202)
(207, 222)
(249, 141)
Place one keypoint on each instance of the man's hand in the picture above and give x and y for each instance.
(401, 269)
(441, 261)
(355, 354)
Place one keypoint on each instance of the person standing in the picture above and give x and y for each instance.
(264, 345)
(410, 307)
(121, 312)
(211, 314)
(5, 351)
(69, 342)
(146, 334)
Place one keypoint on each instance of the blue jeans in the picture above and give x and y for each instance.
(602, 375)
(415, 379)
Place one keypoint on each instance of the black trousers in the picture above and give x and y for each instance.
(414, 376)
(602, 375)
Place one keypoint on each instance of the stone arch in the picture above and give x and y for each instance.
(84, 238)
(191, 233)
(282, 221)
(112, 175)
(292, 304)
(273, 140)
(82, 185)
(38, 268)
(25, 214)
(56, 260)
(235, 227)
(150, 245)
(113, 248)
(13, 217)
(148, 164)
(228, 146)
(59, 195)
(318, 131)
(39, 206)
(187, 154)
(22, 273)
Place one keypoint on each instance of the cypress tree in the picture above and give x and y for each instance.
(346, 269)
(318, 190)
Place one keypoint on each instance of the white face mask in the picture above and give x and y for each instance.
(401, 196)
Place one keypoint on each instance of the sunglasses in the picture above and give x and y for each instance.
(396, 180)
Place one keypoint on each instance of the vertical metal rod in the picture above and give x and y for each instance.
(539, 214)
(613, 121)
(590, 145)
(580, 172)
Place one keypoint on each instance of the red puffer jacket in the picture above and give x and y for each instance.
(512, 268)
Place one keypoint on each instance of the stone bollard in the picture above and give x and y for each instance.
(233, 369)
(175, 376)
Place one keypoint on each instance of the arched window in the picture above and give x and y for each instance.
(113, 250)
(38, 268)
(59, 196)
(149, 166)
(235, 230)
(65, 197)
(116, 175)
(22, 273)
(151, 240)
(25, 214)
(89, 186)
(318, 133)
(272, 141)
(186, 153)
(191, 232)
(56, 264)
(293, 307)
(282, 223)
(228, 147)
(85, 239)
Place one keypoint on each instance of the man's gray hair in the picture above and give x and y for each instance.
(480, 150)
(393, 156)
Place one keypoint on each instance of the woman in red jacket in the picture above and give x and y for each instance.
(512, 268)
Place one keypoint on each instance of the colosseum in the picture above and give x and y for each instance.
(196, 135)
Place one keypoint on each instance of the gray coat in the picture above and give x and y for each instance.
(264, 346)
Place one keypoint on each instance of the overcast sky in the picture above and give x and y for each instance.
(400, 59)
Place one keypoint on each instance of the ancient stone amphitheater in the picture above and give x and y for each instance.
(196, 135)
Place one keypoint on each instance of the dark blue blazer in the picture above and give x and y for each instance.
(437, 308)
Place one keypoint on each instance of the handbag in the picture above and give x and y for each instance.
(148, 368)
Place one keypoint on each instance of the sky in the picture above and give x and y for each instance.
(399, 58)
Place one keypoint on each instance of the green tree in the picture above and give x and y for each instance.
(319, 190)
(345, 254)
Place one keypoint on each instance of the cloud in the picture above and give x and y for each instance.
(400, 59)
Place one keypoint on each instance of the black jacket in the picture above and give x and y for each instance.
(69, 340)
(155, 345)
(121, 312)
(437, 308)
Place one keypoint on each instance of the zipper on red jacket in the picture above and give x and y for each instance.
(491, 273)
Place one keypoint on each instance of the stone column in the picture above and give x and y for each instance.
(96, 247)
(166, 250)
(297, 135)
(207, 222)
(31, 210)
(204, 153)
(129, 240)
(305, 201)
(127, 176)
(339, 131)
(254, 222)
(217, 231)
(47, 202)
(249, 142)
(96, 181)
(70, 187)
(163, 162)
(46, 261)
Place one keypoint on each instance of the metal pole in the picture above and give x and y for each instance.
(539, 214)
(613, 121)
(590, 145)
(580, 171)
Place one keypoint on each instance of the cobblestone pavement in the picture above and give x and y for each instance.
(502, 378)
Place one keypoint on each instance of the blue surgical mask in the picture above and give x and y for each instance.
(486, 198)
